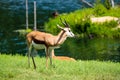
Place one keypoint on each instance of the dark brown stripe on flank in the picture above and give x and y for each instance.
(38, 41)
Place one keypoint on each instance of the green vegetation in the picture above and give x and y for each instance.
(15, 68)
(23, 32)
(81, 25)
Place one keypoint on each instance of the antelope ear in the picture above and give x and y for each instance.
(59, 26)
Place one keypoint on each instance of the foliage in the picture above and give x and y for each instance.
(107, 4)
(23, 32)
(16, 68)
(104, 29)
(81, 25)
(73, 18)
(99, 10)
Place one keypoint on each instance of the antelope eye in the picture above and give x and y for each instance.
(69, 30)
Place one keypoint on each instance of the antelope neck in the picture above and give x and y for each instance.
(61, 37)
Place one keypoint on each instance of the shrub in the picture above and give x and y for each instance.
(80, 22)
(75, 19)
(107, 4)
(99, 10)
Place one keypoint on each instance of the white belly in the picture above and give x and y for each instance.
(42, 46)
(38, 46)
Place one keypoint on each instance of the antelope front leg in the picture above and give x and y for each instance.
(50, 56)
(33, 54)
(33, 62)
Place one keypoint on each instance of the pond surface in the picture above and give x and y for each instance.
(12, 17)
(92, 49)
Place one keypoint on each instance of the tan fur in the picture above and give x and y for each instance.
(64, 58)
(49, 39)
(36, 39)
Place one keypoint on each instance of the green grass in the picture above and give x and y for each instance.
(16, 68)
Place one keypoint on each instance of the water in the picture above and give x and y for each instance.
(12, 17)
(93, 49)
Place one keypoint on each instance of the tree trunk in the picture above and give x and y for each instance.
(112, 3)
(84, 1)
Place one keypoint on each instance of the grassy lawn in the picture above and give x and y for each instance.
(16, 68)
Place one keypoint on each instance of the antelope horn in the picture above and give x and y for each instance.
(63, 22)
(67, 25)
(59, 26)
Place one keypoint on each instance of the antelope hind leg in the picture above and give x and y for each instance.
(29, 52)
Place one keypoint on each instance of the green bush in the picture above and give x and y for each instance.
(23, 32)
(107, 4)
(75, 19)
(80, 22)
(99, 10)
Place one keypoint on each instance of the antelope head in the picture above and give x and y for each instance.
(66, 28)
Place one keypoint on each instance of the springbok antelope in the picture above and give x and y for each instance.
(40, 40)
